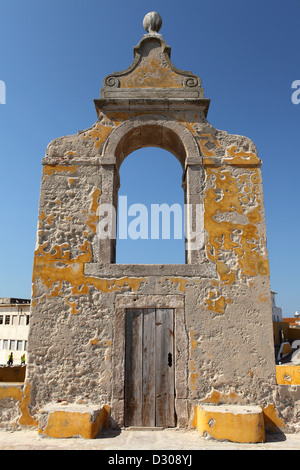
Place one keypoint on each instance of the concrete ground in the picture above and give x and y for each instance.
(131, 440)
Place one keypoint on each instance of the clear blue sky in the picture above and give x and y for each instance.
(54, 56)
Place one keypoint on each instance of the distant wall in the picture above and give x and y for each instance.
(12, 374)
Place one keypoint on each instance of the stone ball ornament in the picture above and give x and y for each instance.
(152, 22)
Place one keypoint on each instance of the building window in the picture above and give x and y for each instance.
(15, 320)
(7, 319)
(5, 344)
(1, 319)
(27, 319)
(12, 345)
(19, 345)
(25, 345)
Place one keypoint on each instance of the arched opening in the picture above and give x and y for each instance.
(160, 132)
(150, 227)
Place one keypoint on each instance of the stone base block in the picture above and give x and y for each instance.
(72, 420)
(233, 423)
(287, 374)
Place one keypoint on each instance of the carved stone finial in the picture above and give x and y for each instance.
(152, 22)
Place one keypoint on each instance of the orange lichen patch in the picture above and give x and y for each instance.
(49, 219)
(94, 341)
(263, 298)
(53, 267)
(216, 397)
(176, 280)
(194, 375)
(13, 392)
(224, 236)
(241, 157)
(73, 306)
(16, 393)
(151, 74)
(49, 170)
(271, 419)
(98, 133)
(26, 419)
(93, 216)
(216, 303)
(255, 216)
(208, 144)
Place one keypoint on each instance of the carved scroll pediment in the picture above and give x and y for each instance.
(152, 73)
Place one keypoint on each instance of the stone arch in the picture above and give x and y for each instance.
(150, 131)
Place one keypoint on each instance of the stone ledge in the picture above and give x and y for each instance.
(205, 270)
(73, 420)
(234, 423)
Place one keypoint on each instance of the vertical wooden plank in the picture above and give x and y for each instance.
(164, 368)
(149, 368)
(133, 367)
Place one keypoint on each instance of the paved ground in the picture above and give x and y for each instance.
(135, 440)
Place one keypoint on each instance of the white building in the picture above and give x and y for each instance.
(14, 328)
(276, 311)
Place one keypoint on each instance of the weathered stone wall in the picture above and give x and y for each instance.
(227, 298)
(224, 338)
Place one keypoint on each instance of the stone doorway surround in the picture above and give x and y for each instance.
(176, 302)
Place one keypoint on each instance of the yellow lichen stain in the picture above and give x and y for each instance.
(22, 396)
(271, 419)
(98, 133)
(242, 239)
(11, 392)
(93, 215)
(193, 370)
(151, 74)
(54, 267)
(216, 304)
(263, 298)
(49, 170)
(73, 306)
(207, 145)
(26, 418)
(94, 341)
(216, 397)
(178, 281)
(241, 157)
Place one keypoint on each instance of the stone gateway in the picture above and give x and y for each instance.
(151, 342)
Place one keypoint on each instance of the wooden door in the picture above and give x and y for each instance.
(149, 368)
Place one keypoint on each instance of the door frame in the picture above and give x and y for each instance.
(127, 301)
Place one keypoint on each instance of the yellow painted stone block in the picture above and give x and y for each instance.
(74, 421)
(288, 374)
(233, 423)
